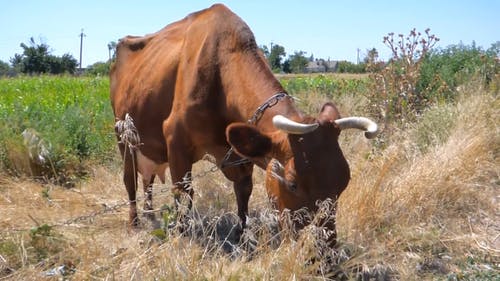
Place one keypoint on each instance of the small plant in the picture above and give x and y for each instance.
(46, 193)
(159, 233)
(169, 215)
(9, 253)
(394, 94)
(44, 241)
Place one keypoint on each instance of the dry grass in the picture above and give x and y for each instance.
(430, 206)
(422, 204)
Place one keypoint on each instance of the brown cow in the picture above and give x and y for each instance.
(200, 85)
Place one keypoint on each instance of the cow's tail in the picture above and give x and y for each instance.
(128, 133)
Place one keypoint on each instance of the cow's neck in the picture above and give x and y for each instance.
(250, 84)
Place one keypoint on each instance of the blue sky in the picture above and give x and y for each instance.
(325, 29)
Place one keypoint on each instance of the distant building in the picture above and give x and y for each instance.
(315, 67)
(321, 66)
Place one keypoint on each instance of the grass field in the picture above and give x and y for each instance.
(423, 202)
(69, 117)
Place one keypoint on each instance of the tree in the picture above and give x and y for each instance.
(275, 57)
(298, 62)
(36, 59)
(265, 50)
(371, 56)
(5, 69)
(66, 63)
(349, 67)
(372, 62)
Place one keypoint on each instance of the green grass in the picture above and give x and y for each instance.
(326, 85)
(72, 115)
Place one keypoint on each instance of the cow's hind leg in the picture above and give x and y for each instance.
(130, 181)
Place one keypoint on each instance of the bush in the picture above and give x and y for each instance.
(445, 69)
(99, 68)
(417, 76)
(349, 67)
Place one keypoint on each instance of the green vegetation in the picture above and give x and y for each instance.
(329, 86)
(98, 69)
(349, 67)
(417, 76)
(37, 59)
(67, 121)
(443, 70)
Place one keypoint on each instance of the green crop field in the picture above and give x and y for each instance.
(71, 116)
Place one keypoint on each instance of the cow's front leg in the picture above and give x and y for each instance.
(241, 176)
(183, 190)
(243, 190)
(180, 163)
(180, 158)
(148, 196)
(180, 172)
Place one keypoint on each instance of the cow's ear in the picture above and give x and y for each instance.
(247, 140)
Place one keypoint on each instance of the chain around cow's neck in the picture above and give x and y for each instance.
(257, 115)
(270, 102)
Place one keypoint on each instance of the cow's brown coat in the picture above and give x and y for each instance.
(192, 86)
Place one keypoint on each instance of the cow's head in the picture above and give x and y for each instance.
(303, 161)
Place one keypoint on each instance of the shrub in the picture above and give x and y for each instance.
(444, 70)
(349, 67)
(99, 68)
(395, 94)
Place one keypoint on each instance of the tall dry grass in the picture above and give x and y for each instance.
(422, 204)
(429, 200)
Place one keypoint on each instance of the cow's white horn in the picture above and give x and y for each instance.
(292, 127)
(361, 123)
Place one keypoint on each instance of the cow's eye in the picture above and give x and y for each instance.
(292, 186)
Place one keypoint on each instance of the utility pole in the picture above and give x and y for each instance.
(81, 45)
(357, 57)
